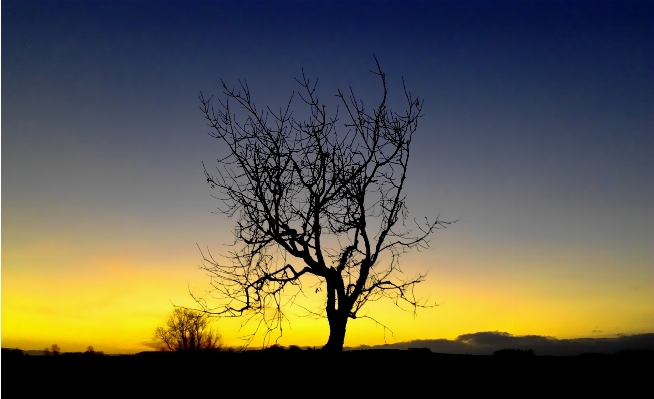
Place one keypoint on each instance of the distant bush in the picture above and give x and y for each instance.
(92, 352)
(275, 348)
(187, 330)
(6, 352)
(420, 350)
(514, 352)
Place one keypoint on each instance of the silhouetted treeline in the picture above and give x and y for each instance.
(514, 352)
(11, 353)
(281, 350)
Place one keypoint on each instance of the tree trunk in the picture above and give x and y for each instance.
(337, 324)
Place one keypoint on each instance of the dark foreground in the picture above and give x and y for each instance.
(314, 373)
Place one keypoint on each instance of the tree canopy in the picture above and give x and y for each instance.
(319, 198)
(186, 330)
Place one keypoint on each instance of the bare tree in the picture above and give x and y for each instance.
(187, 330)
(328, 195)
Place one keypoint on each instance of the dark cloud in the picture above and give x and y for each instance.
(485, 343)
(153, 345)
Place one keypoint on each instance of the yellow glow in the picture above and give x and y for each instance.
(115, 304)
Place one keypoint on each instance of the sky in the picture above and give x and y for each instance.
(536, 137)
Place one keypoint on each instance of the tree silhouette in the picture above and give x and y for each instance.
(328, 196)
(187, 330)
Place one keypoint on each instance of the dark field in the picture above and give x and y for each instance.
(311, 373)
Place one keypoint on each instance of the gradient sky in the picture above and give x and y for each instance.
(537, 136)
